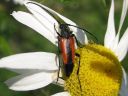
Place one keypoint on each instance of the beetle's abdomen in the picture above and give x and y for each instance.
(67, 48)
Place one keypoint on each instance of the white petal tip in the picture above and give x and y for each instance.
(30, 81)
(62, 94)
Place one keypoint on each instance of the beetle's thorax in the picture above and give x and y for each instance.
(65, 31)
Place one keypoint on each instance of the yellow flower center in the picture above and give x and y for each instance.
(97, 72)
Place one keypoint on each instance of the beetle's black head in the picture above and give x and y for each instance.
(65, 30)
(64, 27)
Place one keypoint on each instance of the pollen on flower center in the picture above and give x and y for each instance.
(99, 74)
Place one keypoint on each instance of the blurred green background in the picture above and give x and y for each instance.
(17, 38)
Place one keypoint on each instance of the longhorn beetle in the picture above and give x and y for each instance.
(66, 44)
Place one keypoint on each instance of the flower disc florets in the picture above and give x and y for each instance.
(100, 72)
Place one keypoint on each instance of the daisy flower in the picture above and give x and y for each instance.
(100, 69)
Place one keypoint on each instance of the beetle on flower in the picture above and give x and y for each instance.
(100, 70)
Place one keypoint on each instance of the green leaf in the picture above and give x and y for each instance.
(4, 47)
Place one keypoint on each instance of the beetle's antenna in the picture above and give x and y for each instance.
(84, 31)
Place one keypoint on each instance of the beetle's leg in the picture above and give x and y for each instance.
(56, 31)
(58, 66)
(58, 70)
(78, 55)
(78, 63)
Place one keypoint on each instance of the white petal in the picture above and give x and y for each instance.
(80, 35)
(31, 5)
(124, 89)
(45, 18)
(62, 94)
(123, 15)
(30, 61)
(30, 81)
(32, 22)
(122, 48)
(110, 32)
